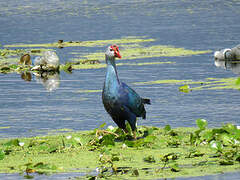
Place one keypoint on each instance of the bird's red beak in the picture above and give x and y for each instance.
(116, 51)
(117, 54)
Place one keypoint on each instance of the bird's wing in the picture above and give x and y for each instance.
(129, 98)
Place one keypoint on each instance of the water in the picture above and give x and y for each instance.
(28, 109)
(225, 176)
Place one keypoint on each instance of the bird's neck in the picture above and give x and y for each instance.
(111, 75)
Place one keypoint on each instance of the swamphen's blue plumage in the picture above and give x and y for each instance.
(121, 101)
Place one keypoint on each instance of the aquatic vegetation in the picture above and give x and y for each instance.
(218, 83)
(98, 66)
(167, 81)
(207, 84)
(10, 56)
(148, 52)
(10, 68)
(157, 153)
(131, 49)
(124, 40)
(69, 66)
(89, 91)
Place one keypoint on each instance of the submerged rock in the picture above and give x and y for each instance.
(228, 54)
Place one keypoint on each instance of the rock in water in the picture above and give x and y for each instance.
(48, 62)
(228, 54)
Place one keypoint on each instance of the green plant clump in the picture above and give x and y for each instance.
(157, 152)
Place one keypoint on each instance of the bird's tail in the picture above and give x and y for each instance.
(146, 101)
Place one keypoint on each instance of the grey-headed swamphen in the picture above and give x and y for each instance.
(120, 101)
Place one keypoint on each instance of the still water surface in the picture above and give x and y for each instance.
(28, 109)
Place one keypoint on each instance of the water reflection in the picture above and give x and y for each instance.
(50, 80)
(234, 66)
(26, 76)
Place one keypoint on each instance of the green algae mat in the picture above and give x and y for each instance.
(132, 47)
(157, 152)
(189, 85)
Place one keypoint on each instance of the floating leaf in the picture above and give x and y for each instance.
(102, 126)
(42, 165)
(108, 139)
(226, 138)
(135, 172)
(2, 154)
(185, 88)
(230, 128)
(238, 81)
(216, 145)
(167, 128)
(149, 159)
(150, 139)
(115, 157)
(52, 149)
(14, 142)
(226, 162)
(169, 156)
(201, 123)
(175, 167)
(129, 143)
(207, 135)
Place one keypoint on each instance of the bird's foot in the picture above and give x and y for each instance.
(134, 137)
(125, 130)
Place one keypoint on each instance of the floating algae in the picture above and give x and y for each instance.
(166, 81)
(98, 66)
(132, 48)
(99, 43)
(14, 55)
(207, 84)
(157, 153)
(148, 52)
(89, 91)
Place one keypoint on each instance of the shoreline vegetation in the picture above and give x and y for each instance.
(107, 152)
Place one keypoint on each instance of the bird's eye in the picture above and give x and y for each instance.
(111, 49)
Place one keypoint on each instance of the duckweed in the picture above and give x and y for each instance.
(157, 153)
